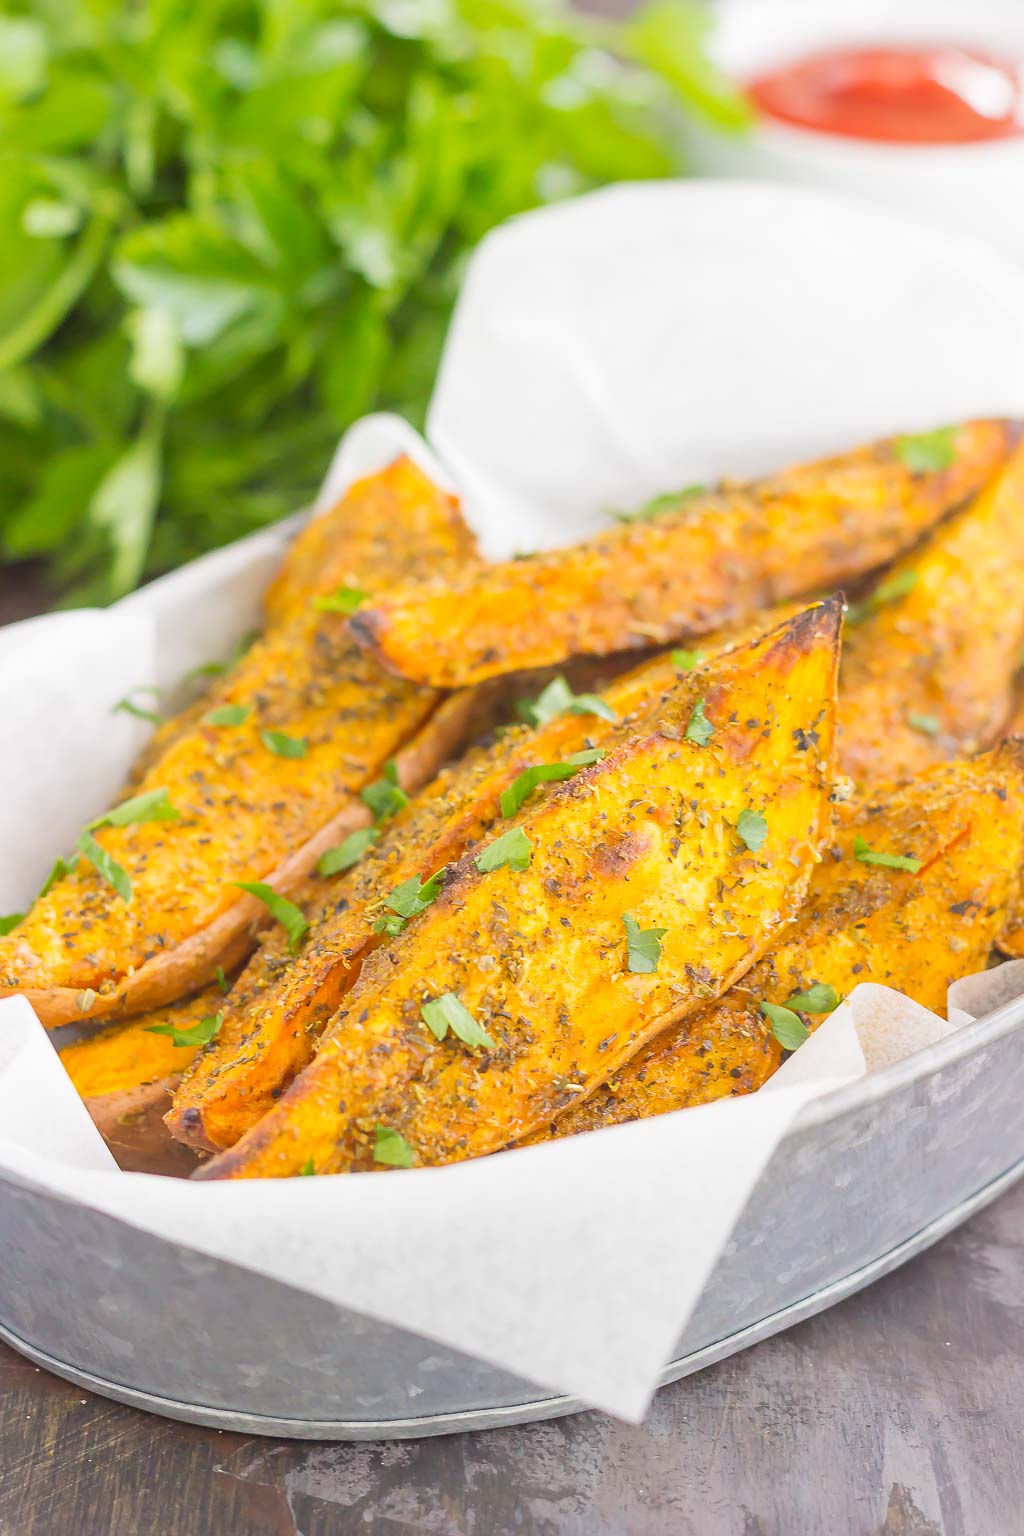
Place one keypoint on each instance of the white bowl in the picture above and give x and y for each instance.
(973, 189)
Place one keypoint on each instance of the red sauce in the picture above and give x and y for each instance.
(899, 95)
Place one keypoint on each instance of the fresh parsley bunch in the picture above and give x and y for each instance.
(229, 228)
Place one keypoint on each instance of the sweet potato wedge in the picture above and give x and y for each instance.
(260, 792)
(714, 559)
(536, 957)
(928, 674)
(914, 931)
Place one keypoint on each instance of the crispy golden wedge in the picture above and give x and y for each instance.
(538, 956)
(916, 932)
(715, 559)
(929, 675)
(246, 812)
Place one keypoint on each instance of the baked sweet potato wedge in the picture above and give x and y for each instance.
(914, 930)
(713, 559)
(928, 672)
(522, 985)
(265, 782)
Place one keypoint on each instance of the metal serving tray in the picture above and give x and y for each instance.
(866, 1178)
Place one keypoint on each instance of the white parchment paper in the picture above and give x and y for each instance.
(638, 339)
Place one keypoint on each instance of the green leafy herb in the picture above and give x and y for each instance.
(385, 796)
(889, 590)
(348, 852)
(345, 600)
(283, 745)
(228, 714)
(928, 450)
(152, 806)
(408, 900)
(787, 1027)
(106, 866)
(928, 725)
(512, 848)
(221, 979)
(685, 661)
(448, 1013)
(308, 1169)
(558, 699)
(868, 855)
(127, 706)
(291, 917)
(392, 1148)
(518, 791)
(10, 922)
(61, 867)
(700, 730)
(218, 668)
(202, 1033)
(819, 998)
(752, 829)
(643, 946)
(668, 501)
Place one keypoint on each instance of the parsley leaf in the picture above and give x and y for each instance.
(106, 866)
(518, 791)
(752, 829)
(890, 590)
(202, 1033)
(558, 699)
(392, 1148)
(408, 900)
(221, 979)
(228, 714)
(927, 450)
(127, 706)
(700, 730)
(385, 796)
(283, 745)
(789, 1030)
(643, 946)
(868, 855)
(512, 848)
(819, 998)
(447, 1012)
(928, 725)
(345, 600)
(308, 1168)
(61, 867)
(152, 806)
(348, 852)
(667, 501)
(685, 661)
(291, 917)
(10, 922)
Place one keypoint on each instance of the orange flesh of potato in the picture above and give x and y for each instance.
(539, 957)
(716, 559)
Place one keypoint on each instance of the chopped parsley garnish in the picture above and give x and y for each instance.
(700, 730)
(344, 600)
(106, 866)
(221, 979)
(128, 706)
(685, 660)
(818, 998)
(152, 806)
(448, 1013)
(385, 796)
(787, 1027)
(558, 699)
(291, 917)
(752, 829)
(928, 725)
(512, 848)
(283, 745)
(202, 1033)
(643, 946)
(392, 1148)
(61, 867)
(10, 922)
(521, 788)
(888, 591)
(666, 501)
(308, 1169)
(927, 450)
(228, 714)
(408, 900)
(218, 668)
(349, 852)
(868, 855)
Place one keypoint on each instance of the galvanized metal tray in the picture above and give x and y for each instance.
(866, 1178)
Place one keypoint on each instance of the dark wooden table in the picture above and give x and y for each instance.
(898, 1412)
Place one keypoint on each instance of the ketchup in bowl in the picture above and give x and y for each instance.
(899, 95)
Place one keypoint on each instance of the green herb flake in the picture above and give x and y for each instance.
(128, 706)
(154, 805)
(10, 922)
(61, 868)
(699, 730)
(221, 979)
(228, 714)
(106, 866)
(890, 590)
(448, 1013)
(391, 1148)
(787, 1027)
(345, 600)
(348, 853)
(291, 917)
(928, 451)
(385, 797)
(819, 998)
(928, 725)
(685, 661)
(752, 829)
(666, 501)
(512, 848)
(283, 745)
(308, 1169)
(522, 787)
(202, 1033)
(408, 900)
(558, 699)
(643, 946)
(868, 855)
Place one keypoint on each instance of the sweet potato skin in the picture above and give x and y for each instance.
(715, 560)
(915, 932)
(930, 674)
(539, 956)
(246, 814)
